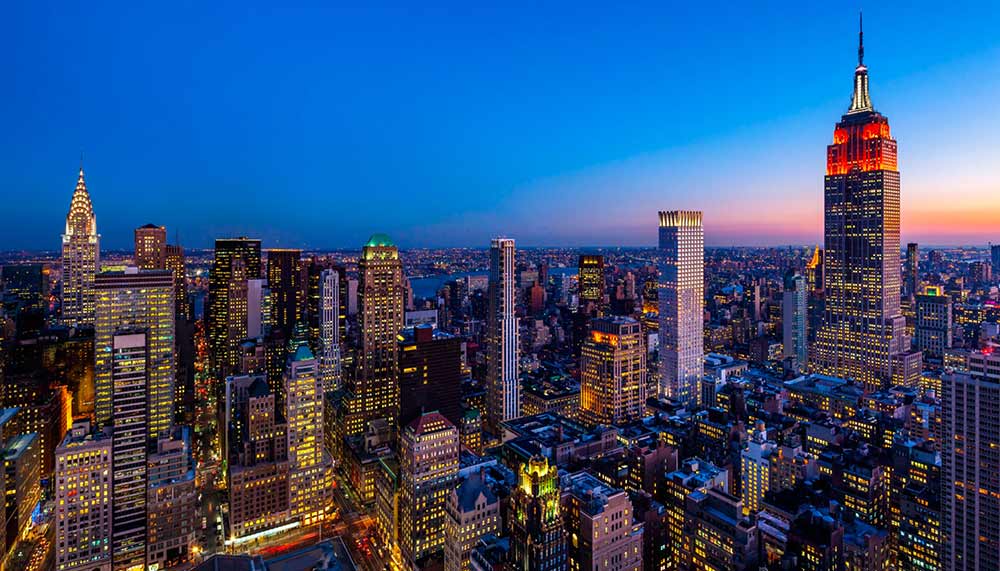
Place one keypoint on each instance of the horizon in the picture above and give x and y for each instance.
(526, 122)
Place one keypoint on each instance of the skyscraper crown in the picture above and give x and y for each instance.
(81, 220)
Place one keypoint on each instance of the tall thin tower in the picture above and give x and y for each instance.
(682, 292)
(863, 325)
(380, 300)
(329, 329)
(502, 348)
(81, 258)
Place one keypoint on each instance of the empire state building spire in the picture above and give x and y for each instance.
(861, 101)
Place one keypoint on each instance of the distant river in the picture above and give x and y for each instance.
(427, 287)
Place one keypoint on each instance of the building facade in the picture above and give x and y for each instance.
(81, 258)
(428, 471)
(682, 292)
(970, 508)
(141, 300)
(613, 372)
(794, 318)
(236, 260)
(537, 534)
(129, 376)
(83, 500)
(150, 247)
(329, 329)
(863, 326)
(502, 379)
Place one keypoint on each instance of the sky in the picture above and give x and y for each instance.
(316, 124)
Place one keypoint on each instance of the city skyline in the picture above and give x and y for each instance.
(654, 119)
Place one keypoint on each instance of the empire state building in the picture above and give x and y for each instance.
(862, 337)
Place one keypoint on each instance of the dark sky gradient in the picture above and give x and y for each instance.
(315, 124)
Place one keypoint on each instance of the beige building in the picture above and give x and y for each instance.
(613, 372)
(472, 511)
(603, 534)
(428, 469)
(82, 488)
(172, 502)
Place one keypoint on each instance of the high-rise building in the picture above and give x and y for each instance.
(236, 260)
(912, 269)
(258, 300)
(428, 469)
(308, 466)
(21, 475)
(81, 258)
(256, 444)
(863, 327)
(174, 261)
(430, 374)
(613, 372)
(933, 328)
(380, 297)
(682, 287)
(794, 314)
(472, 511)
(130, 370)
(83, 500)
(284, 278)
(537, 534)
(329, 329)
(970, 512)
(172, 502)
(150, 247)
(603, 521)
(590, 272)
(502, 382)
(995, 256)
(137, 299)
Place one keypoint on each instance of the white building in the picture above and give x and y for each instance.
(682, 293)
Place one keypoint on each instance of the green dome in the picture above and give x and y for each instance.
(379, 240)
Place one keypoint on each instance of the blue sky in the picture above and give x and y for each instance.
(317, 124)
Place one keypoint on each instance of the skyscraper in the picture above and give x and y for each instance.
(129, 376)
(307, 463)
(150, 247)
(933, 329)
(240, 256)
(537, 535)
(284, 278)
(174, 261)
(430, 374)
(591, 279)
(912, 269)
(329, 329)
(83, 500)
(502, 383)
(380, 297)
(613, 372)
(682, 286)
(81, 258)
(794, 313)
(428, 470)
(144, 300)
(970, 512)
(590, 504)
(863, 326)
